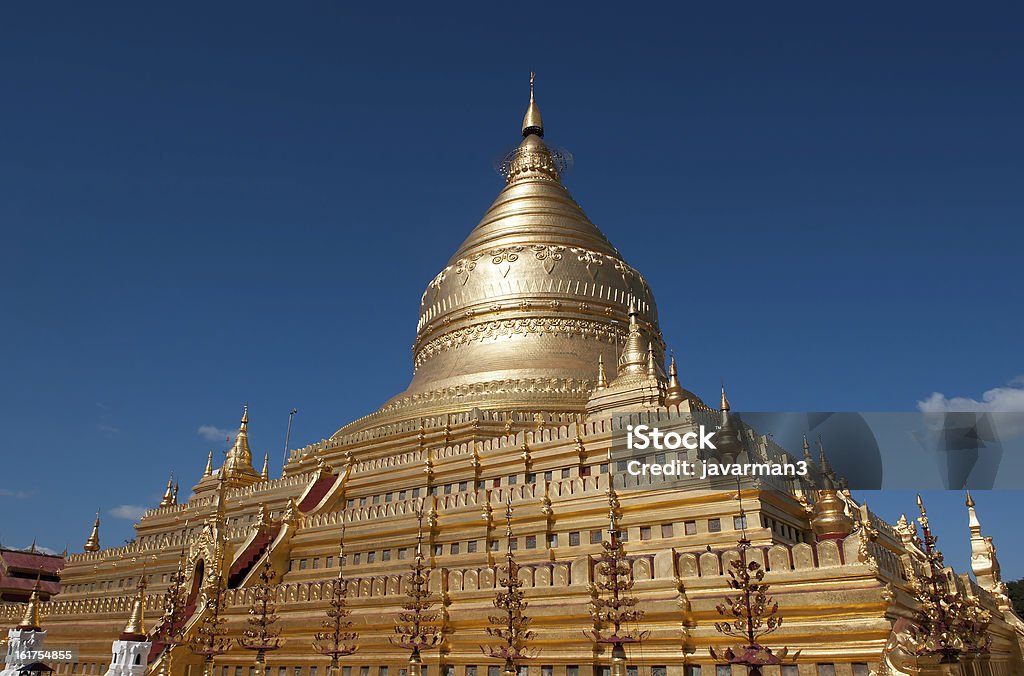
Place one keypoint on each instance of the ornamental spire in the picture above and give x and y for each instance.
(30, 621)
(602, 377)
(674, 395)
(209, 465)
(93, 543)
(634, 352)
(239, 458)
(265, 474)
(532, 123)
(169, 493)
(135, 629)
(724, 406)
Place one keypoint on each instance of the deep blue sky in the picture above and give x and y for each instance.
(204, 205)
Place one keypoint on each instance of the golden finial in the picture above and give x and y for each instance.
(30, 621)
(652, 369)
(970, 500)
(633, 359)
(920, 506)
(808, 458)
(602, 377)
(239, 458)
(724, 406)
(135, 629)
(265, 474)
(169, 493)
(209, 465)
(176, 487)
(532, 123)
(674, 394)
(93, 543)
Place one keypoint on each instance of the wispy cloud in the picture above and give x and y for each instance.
(212, 433)
(10, 493)
(130, 512)
(107, 429)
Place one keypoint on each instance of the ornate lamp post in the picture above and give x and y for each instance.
(336, 641)
(612, 604)
(511, 628)
(750, 614)
(417, 628)
(209, 639)
(262, 634)
(172, 627)
(953, 626)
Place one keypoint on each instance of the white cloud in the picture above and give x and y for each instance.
(1008, 399)
(212, 433)
(130, 512)
(1005, 399)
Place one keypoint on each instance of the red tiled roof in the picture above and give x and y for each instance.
(29, 561)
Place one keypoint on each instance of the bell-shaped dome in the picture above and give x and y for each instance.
(533, 298)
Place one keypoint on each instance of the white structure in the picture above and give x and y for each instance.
(26, 637)
(131, 649)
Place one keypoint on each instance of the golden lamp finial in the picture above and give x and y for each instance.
(724, 406)
(209, 465)
(265, 474)
(674, 394)
(970, 500)
(652, 367)
(30, 621)
(168, 493)
(532, 123)
(135, 629)
(92, 544)
(602, 377)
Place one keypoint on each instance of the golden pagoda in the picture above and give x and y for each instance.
(530, 342)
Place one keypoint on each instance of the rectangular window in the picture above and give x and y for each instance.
(346, 671)
(860, 669)
(659, 458)
(547, 670)
(282, 671)
(565, 475)
(493, 545)
(316, 564)
(659, 671)
(531, 478)
(531, 541)
(371, 557)
(388, 496)
(548, 476)
(604, 468)
(574, 538)
(355, 558)
(455, 548)
(376, 499)
(632, 671)
(524, 670)
(351, 503)
(438, 550)
(481, 484)
(383, 671)
(403, 553)
(330, 562)
(723, 670)
(595, 537)
(297, 672)
(692, 670)
(666, 530)
(493, 670)
(513, 544)
(463, 486)
(449, 670)
(552, 540)
(826, 669)
(512, 480)
(496, 483)
(385, 555)
(471, 546)
(447, 489)
(585, 470)
(791, 670)
(362, 502)
(620, 465)
(739, 522)
(572, 670)
(690, 527)
(364, 671)
(312, 671)
(645, 532)
(471, 670)
(415, 492)
(302, 564)
(714, 525)
(401, 495)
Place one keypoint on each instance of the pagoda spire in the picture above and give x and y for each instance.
(724, 405)
(652, 367)
(238, 463)
(265, 473)
(209, 465)
(634, 354)
(984, 563)
(92, 544)
(532, 123)
(674, 394)
(30, 621)
(168, 493)
(135, 628)
(602, 377)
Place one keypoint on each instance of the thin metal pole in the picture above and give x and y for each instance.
(287, 436)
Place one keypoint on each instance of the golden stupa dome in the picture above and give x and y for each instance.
(533, 298)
